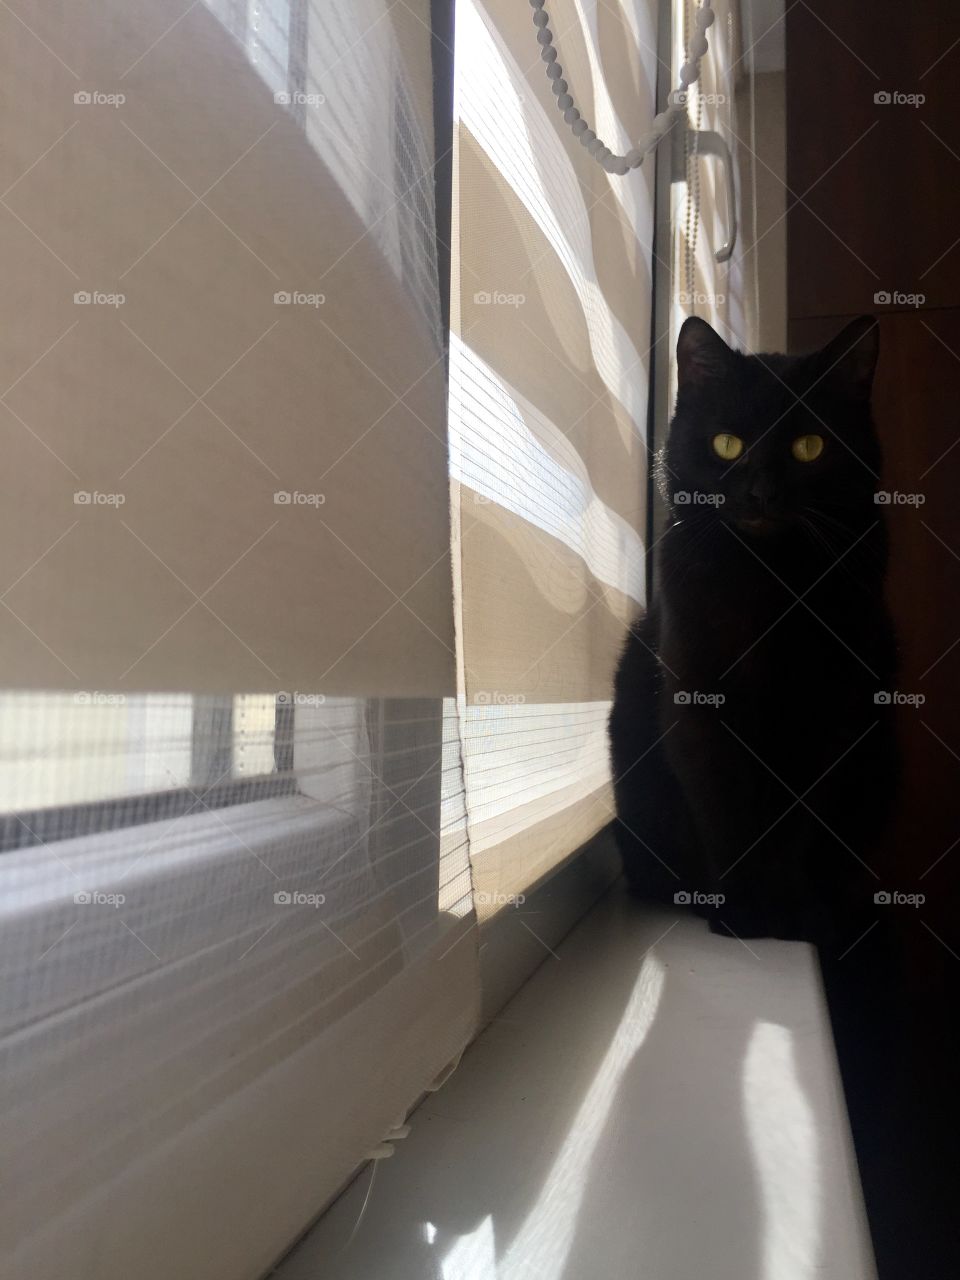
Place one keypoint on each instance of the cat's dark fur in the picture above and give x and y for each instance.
(772, 598)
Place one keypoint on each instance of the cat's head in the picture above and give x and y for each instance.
(770, 442)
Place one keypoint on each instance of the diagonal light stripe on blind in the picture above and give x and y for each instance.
(501, 114)
(509, 453)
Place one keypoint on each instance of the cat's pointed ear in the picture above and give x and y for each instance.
(702, 355)
(850, 359)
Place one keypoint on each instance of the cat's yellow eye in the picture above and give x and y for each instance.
(727, 447)
(806, 448)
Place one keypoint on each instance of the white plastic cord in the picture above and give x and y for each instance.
(662, 122)
(753, 172)
(691, 216)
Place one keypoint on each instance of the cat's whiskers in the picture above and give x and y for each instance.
(848, 535)
(700, 524)
(820, 537)
(857, 560)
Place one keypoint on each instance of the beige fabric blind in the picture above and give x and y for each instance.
(549, 385)
(184, 411)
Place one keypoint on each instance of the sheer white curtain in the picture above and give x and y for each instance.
(237, 939)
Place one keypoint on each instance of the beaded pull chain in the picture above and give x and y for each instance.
(662, 123)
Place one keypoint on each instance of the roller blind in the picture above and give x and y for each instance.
(237, 939)
(225, 441)
(549, 371)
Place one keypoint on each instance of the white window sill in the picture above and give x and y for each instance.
(656, 1102)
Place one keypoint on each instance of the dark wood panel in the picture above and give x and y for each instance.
(894, 997)
(918, 417)
(879, 182)
(879, 189)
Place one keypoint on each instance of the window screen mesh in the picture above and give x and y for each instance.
(182, 954)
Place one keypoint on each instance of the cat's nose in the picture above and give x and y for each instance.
(762, 492)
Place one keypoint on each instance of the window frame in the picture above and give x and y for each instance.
(212, 788)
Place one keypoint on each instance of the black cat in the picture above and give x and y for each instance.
(751, 732)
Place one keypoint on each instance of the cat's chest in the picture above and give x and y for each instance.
(780, 632)
(769, 642)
